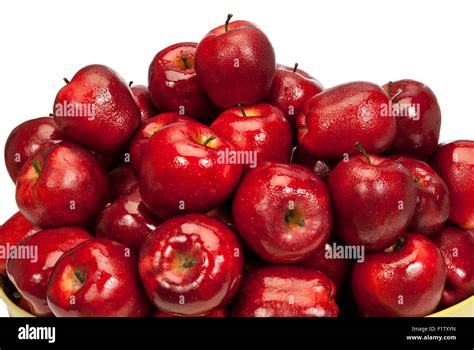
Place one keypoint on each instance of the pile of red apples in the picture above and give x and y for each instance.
(235, 186)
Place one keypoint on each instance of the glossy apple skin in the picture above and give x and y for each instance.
(146, 131)
(209, 283)
(219, 313)
(417, 138)
(333, 120)
(142, 97)
(454, 162)
(115, 111)
(432, 197)
(285, 291)
(177, 168)
(127, 221)
(338, 270)
(366, 201)
(12, 232)
(122, 180)
(457, 247)
(236, 66)
(264, 130)
(262, 202)
(175, 88)
(111, 286)
(290, 90)
(25, 139)
(404, 283)
(321, 168)
(68, 173)
(31, 277)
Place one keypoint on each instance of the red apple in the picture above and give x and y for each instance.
(146, 131)
(285, 291)
(30, 273)
(127, 221)
(235, 63)
(454, 162)
(259, 132)
(122, 179)
(98, 278)
(11, 233)
(405, 281)
(373, 199)
(290, 90)
(283, 212)
(432, 197)
(457, 247)
(184, 170)
(174, 85)
(326, 260)
(96, 109)
(321, 167)
(142, 97)
(418, 118)
(191, 265)
(25, 139)
(219, 313)
(333, 120)
(62, 185)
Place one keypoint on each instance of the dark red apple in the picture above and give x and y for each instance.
(184, 170)
(219, 313)
(25, 139)
(328, 261)
(333, 120)
(418, 117)
(30, 273)
(432, 197)
(404, 281)
(62, 185)
(290, 90)
(454, 162)
(259, 133)
(11, 233)
(98, 278)
(127, 221)
(373, 199)
(285, 291)
(122, 179)
(146, 131)
(457, 247)
(96, 109)
(235, 63)
(283, 212)
(174, 85)
(142, 97)
(191, 265)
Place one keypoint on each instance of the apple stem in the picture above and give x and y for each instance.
(396, 246)
(188, 263)
(130, 83)
(226, 26)
(292, 219)
(242, 110)
(389, 90)
(79, 276)
(51, 114)
(417, 179)
(36, 166)
(185, 62)
(66, 80)
(295, 68)
(209, 140)
(363, 151)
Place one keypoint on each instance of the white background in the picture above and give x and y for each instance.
(336, 41)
